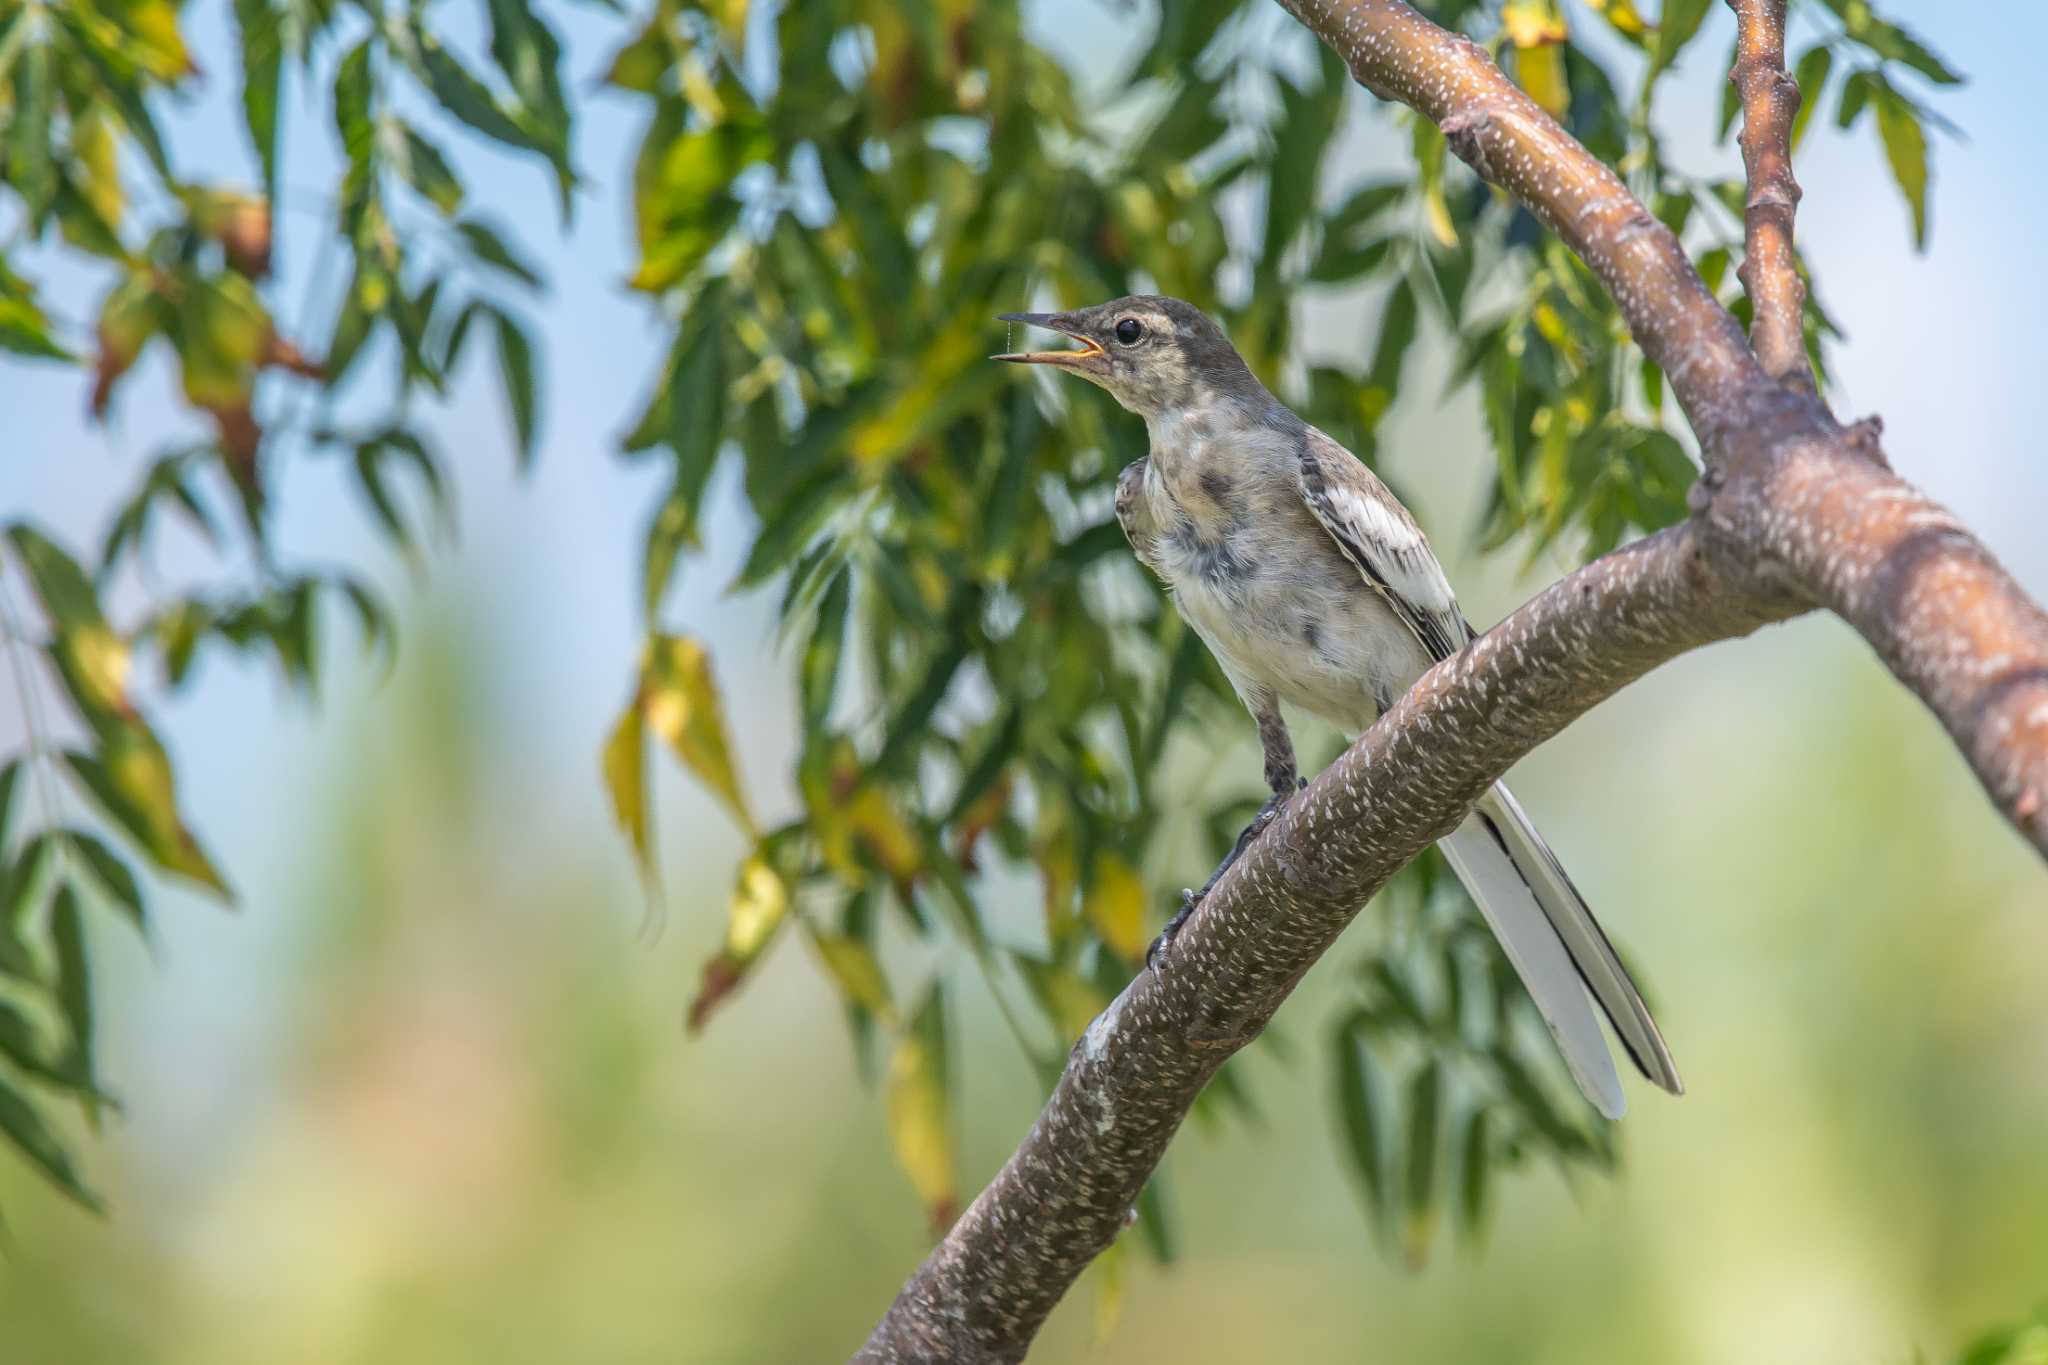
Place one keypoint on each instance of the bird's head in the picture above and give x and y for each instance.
(1153, 354)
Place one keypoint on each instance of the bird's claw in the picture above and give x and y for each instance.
(1189, 899)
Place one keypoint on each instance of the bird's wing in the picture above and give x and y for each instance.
(1133, 514)
(1382, 541)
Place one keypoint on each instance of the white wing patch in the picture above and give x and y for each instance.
(1382, 540)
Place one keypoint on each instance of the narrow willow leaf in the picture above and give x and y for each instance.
(1812, 77)
(131, 779)
(1905, 148)
(858, 973)
(30, 166)
(1676, 27)
(262, 82)
(1475, 1172)
(491, 248)
(920, 1111)
(515, 374)
(1422, 1195)
(26, 1129)
(1358, 1107)
(680, 696)
(10, 779)
(759, 908)
(625, 780)
(111, 875)
(1855, 98)
(74, 986)
(424, 168)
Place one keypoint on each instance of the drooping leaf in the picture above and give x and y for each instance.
(680, 698)
(625, 780)
(1905, 149)
(920, 1112)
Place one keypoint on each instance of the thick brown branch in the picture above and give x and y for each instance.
(1793, 510)
(1067, 1192)
(1770, 267)
(1760, 438)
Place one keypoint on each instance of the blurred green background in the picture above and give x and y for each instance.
(427, 1097)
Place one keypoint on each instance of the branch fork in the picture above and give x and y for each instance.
(1793, 511)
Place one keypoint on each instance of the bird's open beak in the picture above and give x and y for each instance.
(1088, 359)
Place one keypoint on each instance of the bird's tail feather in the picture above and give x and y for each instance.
(1557, 948)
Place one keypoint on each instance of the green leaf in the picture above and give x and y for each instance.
(74, 986)
(1425, 1121)
(492, 250)
(1812, 78)
(10, 778)
(111, 875)
(515, 373)
(30, 167)
(26, 1129)
(1905, 148)
(1475, 1170)
(426, 170)
(262, 83)
(132, 781)
(1676, 27)
(1358, 1106)
(1856, 93)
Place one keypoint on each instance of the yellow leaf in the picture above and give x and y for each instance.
(893, 842)
(680, 698)
(625, 778)
(1532, 23)
(760, 901)
(920, 1123)
(1115, 905)
(760, 906)
(1624, 15)
(1541, 72)
(854, 966)
(93, 141)
(1429, 161)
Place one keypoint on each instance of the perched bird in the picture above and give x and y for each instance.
(1312, 585)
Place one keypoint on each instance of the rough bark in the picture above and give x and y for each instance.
(1794, 510)
(1068, 1190)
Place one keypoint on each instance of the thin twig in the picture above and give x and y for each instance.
(1770, 266)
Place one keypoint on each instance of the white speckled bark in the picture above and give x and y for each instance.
(1794, 511)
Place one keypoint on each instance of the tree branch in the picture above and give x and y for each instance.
(1770, 267)
(1067, 1192)
(1793, 510)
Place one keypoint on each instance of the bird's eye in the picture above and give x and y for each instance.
(1129, 330)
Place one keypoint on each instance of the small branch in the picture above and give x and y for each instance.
(1067, 1192)
(1770, 266)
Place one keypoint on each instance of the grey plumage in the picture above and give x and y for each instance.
(1313, 586)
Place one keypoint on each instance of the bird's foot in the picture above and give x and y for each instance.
(1190, 899)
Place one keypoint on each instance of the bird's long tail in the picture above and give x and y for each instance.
(1557, 948)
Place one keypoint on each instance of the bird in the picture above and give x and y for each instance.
(1313, 586)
